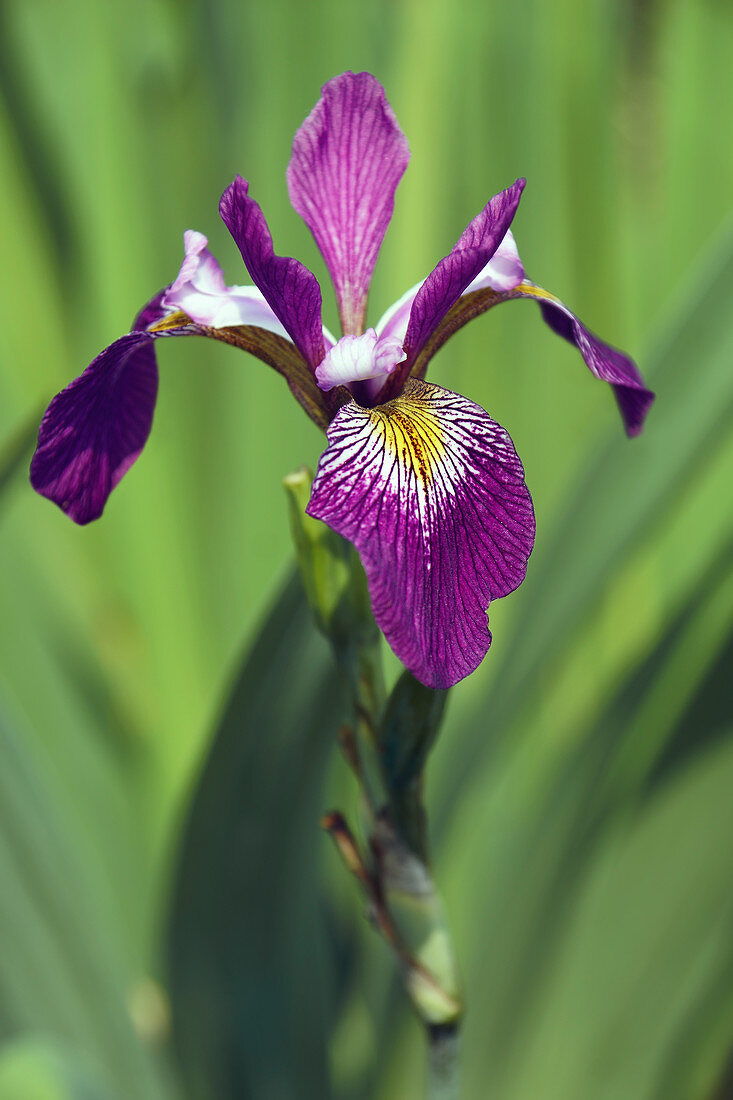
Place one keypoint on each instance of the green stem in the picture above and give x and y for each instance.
(443, 1063)
(386, 746)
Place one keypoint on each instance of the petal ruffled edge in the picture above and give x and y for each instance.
(200, 292)
(348, 158)
(431, 492)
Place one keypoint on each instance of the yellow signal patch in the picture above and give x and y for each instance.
(411, 432)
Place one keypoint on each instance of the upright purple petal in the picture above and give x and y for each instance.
(348, 157)
(431, 492)
(95, 429)
(291, 290)
(448, 280)
(504, 270)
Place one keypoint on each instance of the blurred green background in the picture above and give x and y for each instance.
(172, 923)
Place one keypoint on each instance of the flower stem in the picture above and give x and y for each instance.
(386, 745)
(443, 1063)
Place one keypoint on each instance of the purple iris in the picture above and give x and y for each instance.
(423, 481)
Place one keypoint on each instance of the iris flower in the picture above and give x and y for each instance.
(425, 484)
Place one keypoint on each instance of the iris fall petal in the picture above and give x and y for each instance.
(94, 430)
(431, 492)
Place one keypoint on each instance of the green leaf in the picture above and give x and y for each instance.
(408, 730)
(250, 979)
(35, 1069)
(61, 971)
(536, 864)
(647, 947)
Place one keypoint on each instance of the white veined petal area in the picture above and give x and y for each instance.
(431, 492)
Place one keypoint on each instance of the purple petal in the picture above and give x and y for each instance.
(605, 362)
(152, 312)
(504, 270)
(449, 279)
(348, 157)
(431, 492)
(291, 290)
(95, 429)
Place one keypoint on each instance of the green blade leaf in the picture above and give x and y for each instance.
(35, 1069)
(61, 972)
(251, 992)
(658, 899)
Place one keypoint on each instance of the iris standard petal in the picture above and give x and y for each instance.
(95, 429)
(291, 290)
(431, 492)
(348, 158)
(448, 280)
(605, 362)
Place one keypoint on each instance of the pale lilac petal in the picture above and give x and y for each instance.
(291, 290)
(358, 359)
(199, 266)
(238, 305)
(449, 279)
(504, 270)
(95, 429)
(348, 158)
(395, 320)
(431, 492)
(200, 292)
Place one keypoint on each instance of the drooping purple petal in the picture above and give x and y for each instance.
(348, 158)
(431, 492)
(605, 362)
(449, 279)
(94, 430)
(291, 290)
